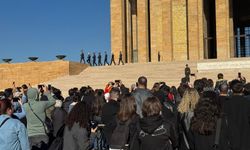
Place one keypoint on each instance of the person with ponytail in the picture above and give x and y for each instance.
(13, 133)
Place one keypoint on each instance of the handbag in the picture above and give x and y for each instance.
(47, 125)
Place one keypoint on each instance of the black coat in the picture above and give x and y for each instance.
(152, 136)
(207, 142)
(201, 142)
(237, 111)
(134, 127)
(58, 116)
(66, 103)
(109, 113)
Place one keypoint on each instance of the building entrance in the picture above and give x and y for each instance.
(209, 29)
(241, 16)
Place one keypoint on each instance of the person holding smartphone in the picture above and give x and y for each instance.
(35, 114)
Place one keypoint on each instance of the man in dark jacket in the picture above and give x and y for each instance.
(237, 111)
(109, 112)
(68, 100)
(58, 116)
(141, 94)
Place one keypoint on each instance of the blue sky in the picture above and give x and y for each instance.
(46, 28)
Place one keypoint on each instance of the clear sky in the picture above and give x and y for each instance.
(46, 28)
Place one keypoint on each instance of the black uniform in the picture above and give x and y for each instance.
(88, 59)
(187, 73)
(105, 59)
(120, 59)
(94, 60)
(112, 59)
(82, 58)
(99, 59)
(159, 57)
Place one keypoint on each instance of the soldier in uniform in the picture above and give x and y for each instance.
(112, 59)
(82, 57)
(94, 59)
(159, 57)
(105, 59)
(187, 73)
(99, 59)
(120, 59)
(88, 59)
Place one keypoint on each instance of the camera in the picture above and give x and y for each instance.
(117, 81)
(40, 86)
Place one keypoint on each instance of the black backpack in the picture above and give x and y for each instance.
(57, 144)
(161, 131)
(120, 136)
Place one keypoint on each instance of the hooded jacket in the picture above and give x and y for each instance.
(156, 133)
(34, 125)
(13, 134)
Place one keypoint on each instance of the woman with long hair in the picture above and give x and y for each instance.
(186, 112)
(203, 125)
(187, 105)
(77, 129)
(126, 117)
(127, 108)
(13, 133)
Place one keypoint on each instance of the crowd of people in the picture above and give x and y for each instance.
(201, 116)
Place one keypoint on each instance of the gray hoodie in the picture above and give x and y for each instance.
(34, 125)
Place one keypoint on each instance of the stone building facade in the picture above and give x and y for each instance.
(177, 30)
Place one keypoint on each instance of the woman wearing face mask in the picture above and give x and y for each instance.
(13, 133)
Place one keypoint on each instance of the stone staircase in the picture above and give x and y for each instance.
(98, 77)
(169, 72)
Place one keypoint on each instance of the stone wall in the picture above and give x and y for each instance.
(36, 72)
(175, 28)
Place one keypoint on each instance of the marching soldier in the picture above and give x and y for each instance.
(187, 73)
(120, 59)
(82, 57)
(94, 59)
(88, 59)
(99, 59)
(112, 59)
(105, 59)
